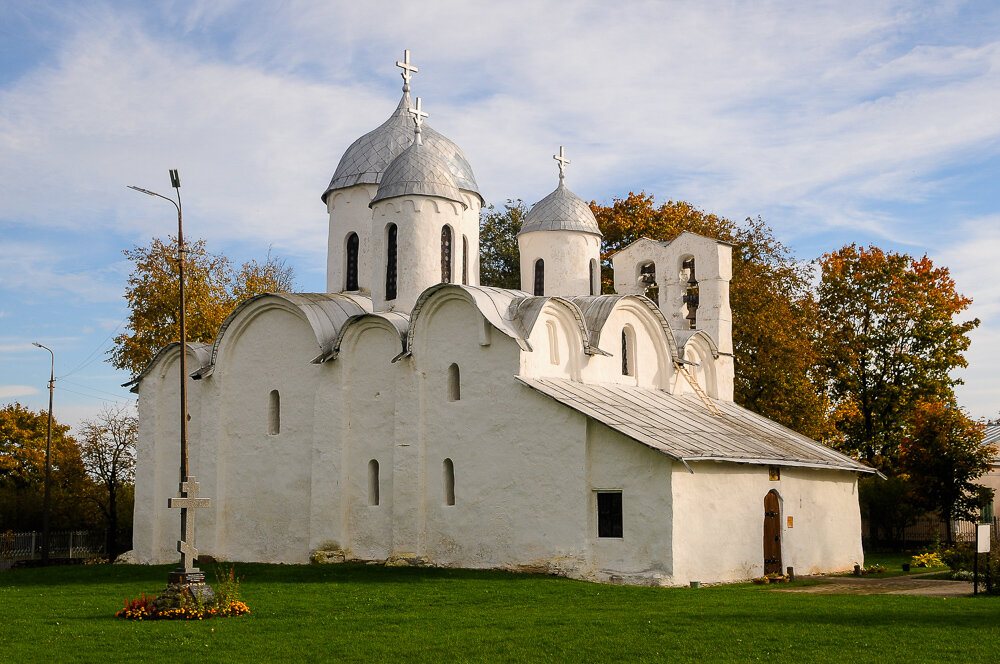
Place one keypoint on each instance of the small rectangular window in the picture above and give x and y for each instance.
(609, 514)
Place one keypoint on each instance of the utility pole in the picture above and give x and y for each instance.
(46, 502)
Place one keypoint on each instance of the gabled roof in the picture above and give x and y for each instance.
(992, 437)
(683, 429)
(202, 353)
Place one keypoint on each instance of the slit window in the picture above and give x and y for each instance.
(454, 383)
(609, 514)
(390, 262)
(446, 255)
(351, 282)
(373, 482)
(628, 352)
(449, 482)
(540, 277)
(593, 276)
(274, 413)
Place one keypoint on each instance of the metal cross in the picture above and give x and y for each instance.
(418, 119)
(408, 70)
(189, 501)
(561, 158)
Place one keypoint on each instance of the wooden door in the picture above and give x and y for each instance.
(772, 534)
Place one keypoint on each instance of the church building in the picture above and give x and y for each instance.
(410, 415)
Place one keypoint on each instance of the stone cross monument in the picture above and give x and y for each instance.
(187, 572)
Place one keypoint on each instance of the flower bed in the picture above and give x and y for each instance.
(179, 602)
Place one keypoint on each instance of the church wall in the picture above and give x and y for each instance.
(650, 361)
(567, 256)
(616, 463)
(719, 521)
(349, 212)
(517, 456)
(265, 476)
(470, 229)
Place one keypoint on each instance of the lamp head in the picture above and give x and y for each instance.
(175, 179)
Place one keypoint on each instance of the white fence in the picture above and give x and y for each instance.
(62, 544)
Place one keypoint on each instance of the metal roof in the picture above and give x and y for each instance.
(418, 170)
(597, 308)
(682, 428)
(562, 210)
(992, 437)
(202, 353)
(366, 159)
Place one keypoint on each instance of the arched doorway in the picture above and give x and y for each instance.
(772, 533)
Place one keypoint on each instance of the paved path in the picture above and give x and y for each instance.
(894, 585)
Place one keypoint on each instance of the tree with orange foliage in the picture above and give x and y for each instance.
(889, 338)
(774, 315)
(942, 453)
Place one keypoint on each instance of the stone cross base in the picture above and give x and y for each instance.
(186, 576)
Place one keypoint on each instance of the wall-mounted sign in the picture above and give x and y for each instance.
(789, 522)
(983, 538)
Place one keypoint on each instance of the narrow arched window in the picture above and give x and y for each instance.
(539, 277)
(553, 342)
(628, 352)
(446, 254)
(351, 282)
(390, 262)
(449, 482)
(593, 276)
(465, 260)
(373, 482)
(454, 383)
(274, 413)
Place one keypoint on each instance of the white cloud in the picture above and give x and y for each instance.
(11, 391)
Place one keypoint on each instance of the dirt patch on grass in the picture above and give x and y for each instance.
(897, 585)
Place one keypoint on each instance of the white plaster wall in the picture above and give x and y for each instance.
(719, 521)
(264, 479)
(470, 229)
(644, 553)
(349, 212)
(567, 256)
(653, 364)
(419, 220)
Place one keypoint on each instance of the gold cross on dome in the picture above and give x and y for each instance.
(408, 70)
(561, 158)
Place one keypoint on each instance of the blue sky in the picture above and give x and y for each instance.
(869, 122)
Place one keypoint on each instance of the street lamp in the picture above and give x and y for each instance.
(187, 573)
(46, 503)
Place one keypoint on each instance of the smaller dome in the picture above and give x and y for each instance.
(418, 171)
(562, 210)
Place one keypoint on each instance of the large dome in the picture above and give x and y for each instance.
(418, 170)
(562, 210)
(368, 157)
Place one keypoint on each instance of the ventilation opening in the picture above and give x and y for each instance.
(609, 514)
(351, 281)
(454, 383)
(449, 482)
(539, 277)
(690, 292)
(390, 262)
(274, 413)
(373, 482)
(446, 255)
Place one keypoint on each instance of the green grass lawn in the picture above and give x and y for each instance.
(358, 613)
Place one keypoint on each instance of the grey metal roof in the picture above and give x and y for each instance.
(398, 320)
(992, 437)
(682, 428)
(562, 210)
(597, 308)
(418, 170)
(366, 159)
(494, 303)
(201, 351)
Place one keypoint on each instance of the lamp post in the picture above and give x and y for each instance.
(46, 501)
(187, 573)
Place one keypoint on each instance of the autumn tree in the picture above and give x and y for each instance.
(889, 338)
(107, 449)
(212, 290)
(942, 454)
(774, 315)
(22, 473)
(499, 258)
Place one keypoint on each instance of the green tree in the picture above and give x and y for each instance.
(22, 473)
(212, 291)
(889, 338)
(107, 449)
(499, 258)
(943, 454)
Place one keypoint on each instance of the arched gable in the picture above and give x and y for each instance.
(395, 322)
(325, 313)
(699, 353)
(598, 308)
(199, 354)
(493, 303)
(528, 311)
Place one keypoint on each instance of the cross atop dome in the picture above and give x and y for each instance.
(408, 70)
(418, 119)
(561, 158)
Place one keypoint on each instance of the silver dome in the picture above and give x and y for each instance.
(369, 156)
(418, 170)
(562, 210)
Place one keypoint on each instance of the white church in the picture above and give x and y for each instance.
(410, 415)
